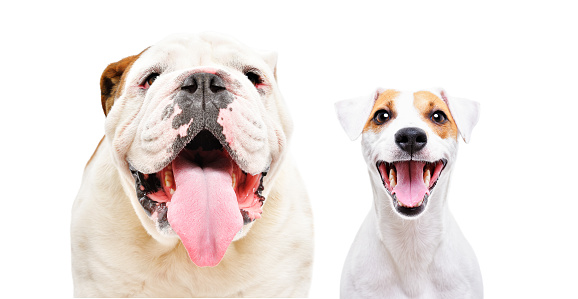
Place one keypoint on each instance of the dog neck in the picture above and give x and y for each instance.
(412, 243)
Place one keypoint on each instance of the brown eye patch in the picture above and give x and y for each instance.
(385, 102)
(436, 114)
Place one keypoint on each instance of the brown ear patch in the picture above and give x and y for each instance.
(385, 101)
(112, 80)
(427, 103)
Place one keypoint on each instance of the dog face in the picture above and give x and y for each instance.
(195, 125)
(409, 139)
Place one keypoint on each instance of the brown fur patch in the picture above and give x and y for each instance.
(427, 102)
(113, 79)
(386, 101)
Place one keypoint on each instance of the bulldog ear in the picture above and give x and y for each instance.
(271, 60)
(353, 113)
(466, 114)
(111, 79)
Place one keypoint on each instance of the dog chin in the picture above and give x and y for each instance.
(409, 184)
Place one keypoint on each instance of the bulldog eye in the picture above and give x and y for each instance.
(149, 80)
(439, 117)
(254, 78)
(381, 116)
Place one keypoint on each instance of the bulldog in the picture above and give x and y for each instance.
(409, 245)
(191, 191)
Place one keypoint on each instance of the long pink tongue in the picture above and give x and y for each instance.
(410, 188)
(203, 210)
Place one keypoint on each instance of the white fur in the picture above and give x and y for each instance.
(398, 257)
(116, 249)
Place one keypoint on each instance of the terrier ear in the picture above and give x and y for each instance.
(353, 113)
(466, 114)
(111, 80)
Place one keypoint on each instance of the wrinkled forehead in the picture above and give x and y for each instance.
(186, 51)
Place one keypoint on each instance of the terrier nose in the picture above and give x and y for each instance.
(411, 139)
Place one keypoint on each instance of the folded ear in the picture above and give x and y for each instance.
(111, 80)
(466, 114)
(353, 113)
(271, 60)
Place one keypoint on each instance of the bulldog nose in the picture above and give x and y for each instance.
(411, 139)
(204, 84)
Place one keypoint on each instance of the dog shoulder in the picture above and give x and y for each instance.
(366, 273)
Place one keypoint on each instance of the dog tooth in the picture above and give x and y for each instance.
(392, 181)
(234, 179)
(172, 191)
(426, 177)
(169, 181)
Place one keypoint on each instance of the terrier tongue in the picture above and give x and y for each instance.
(410, 188)
(203, 210)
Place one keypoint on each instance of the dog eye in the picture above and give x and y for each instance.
(254, 78)
(149, 80)
(381, 116)
(439, 117)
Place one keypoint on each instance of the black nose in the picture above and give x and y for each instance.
(204, 84)
(201, 98)
(411, 140)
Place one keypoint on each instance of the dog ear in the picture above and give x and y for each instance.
(353, 113)
(271, 60)
(111, 79)
(466, 114)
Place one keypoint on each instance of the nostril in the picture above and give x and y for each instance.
(191, 87)
(216, 86)
(401, 138)
(421, 138)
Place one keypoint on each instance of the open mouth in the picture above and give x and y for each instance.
(203, 195)
(410, 183)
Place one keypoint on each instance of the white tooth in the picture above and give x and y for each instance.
(426, 177)
(169, 178)
(392, 181)
(234, 179)
(172, 191)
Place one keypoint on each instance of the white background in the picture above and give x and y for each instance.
(514, 187)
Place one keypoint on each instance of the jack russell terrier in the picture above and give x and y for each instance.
(409, 245)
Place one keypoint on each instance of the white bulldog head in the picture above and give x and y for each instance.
(196, 124)
(408, 139)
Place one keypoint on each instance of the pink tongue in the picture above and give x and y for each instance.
(203, 210)
(410, 188)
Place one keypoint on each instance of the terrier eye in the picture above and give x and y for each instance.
(381, 116)
(439, 117)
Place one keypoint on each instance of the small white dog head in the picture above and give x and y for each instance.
(408, 138)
